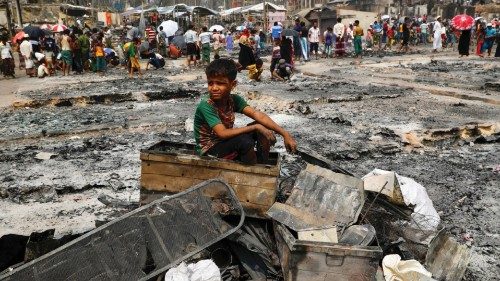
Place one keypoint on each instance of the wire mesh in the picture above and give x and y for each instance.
(145, 242)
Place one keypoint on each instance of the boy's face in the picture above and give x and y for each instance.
(219, 87)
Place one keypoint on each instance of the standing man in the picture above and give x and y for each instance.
(191, 38)
(313, 36)
(84, 41)
(66, 55)
(358, 39)
(437, 44)
(276, 31)
(338, 32)
(26, 51)
(162, 42)
(424, 27)
(205, 38)
(303, 41)
(151, 35)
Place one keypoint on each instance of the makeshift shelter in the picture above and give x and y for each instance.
(76, 11)
(255, 14)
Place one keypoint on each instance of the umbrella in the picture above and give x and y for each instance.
(59, 28)
(46, 26)
(169, 27)
(18, 36)
(462, 22)
(216, 27)
(34, 32)
(385, 17)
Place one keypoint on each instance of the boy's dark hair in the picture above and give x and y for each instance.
(339, 19)
(222, 67)
(216, 57)
(205, 29)
(190, 26)
(302, 23)
(275, 23)
(356, 22)
(259, 62)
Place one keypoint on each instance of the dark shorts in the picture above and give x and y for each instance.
(233, 148)
(314, 47)
(191, 49)
(238, 147)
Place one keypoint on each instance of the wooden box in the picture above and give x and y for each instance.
(169, 167)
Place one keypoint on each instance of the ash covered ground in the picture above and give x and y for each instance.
(70, 146)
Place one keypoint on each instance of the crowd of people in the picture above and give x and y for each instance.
(82, 49)
(73, 50)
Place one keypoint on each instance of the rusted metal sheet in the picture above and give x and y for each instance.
(321, 199)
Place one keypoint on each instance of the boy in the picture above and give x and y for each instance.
(214, 121)
(283, 70)
(255, 70)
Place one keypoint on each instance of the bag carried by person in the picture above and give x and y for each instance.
(29, 63)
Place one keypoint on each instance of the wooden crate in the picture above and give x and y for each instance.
(169, 167)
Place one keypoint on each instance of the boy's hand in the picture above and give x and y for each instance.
(267, 133)
(290, 143)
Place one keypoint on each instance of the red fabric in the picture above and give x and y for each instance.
(108, 19)
(151, 34)
(479, 47)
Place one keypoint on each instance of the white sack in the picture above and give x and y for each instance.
(204, 270)
(397, 270)
(424, 215)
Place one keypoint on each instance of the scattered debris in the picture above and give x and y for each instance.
(320, 199)
(424, 216)
(45, 155)
(396, 269)
(142, 243)
(204, 270)
(446, 258)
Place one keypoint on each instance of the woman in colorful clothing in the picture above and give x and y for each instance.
(229, 43)
(480, 34)
(358, 35)
(133, 56)
(7, 59)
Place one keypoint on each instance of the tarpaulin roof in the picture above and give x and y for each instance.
(179, 8)
(253, 9)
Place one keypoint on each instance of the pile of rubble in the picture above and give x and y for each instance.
(323, 224)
